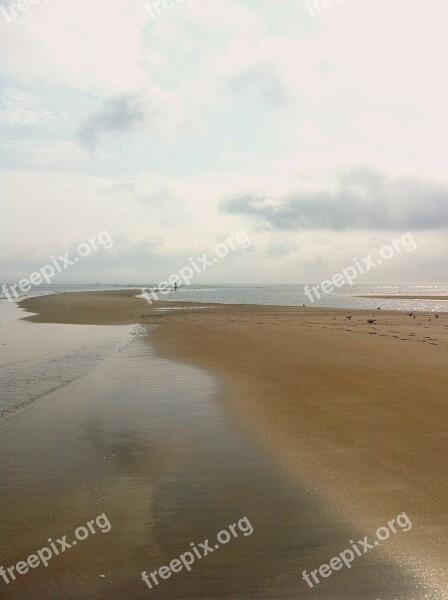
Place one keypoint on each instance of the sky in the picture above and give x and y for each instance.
(318, 128)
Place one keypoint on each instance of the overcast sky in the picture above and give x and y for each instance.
(321, 135)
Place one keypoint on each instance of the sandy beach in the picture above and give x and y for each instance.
(223, 300)
(350, 411)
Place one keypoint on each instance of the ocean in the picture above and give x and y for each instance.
(278, 294)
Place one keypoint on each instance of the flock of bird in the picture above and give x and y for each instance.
(373, 321)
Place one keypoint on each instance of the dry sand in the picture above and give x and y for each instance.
(355, 411)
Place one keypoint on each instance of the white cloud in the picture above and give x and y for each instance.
(92, 45)
(19, 108)
(44, 154)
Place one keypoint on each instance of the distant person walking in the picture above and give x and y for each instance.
(175, 287)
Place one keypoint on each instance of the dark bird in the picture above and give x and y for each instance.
(411, 314)
(349, 317)
(437, 316)
(371, 321)
(379, 308)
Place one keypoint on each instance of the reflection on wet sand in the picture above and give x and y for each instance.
(146, 441)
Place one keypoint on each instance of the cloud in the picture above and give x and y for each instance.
(265, 69)
(22, 109)
(153, 110)
(79, 45)
(281, 245)
(260, 82)
(361, 199)
(42, 153)
(116, 115)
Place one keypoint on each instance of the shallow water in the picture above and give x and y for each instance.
(148, 442)
(36, 359)
(294, 295)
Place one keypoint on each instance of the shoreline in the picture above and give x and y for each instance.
(304, 385)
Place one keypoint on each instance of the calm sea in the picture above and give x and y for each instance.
(283, 295)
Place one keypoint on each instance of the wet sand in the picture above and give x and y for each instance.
(148, 442)
(334, 426)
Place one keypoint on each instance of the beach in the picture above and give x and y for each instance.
(223, 301)
(314, 423)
